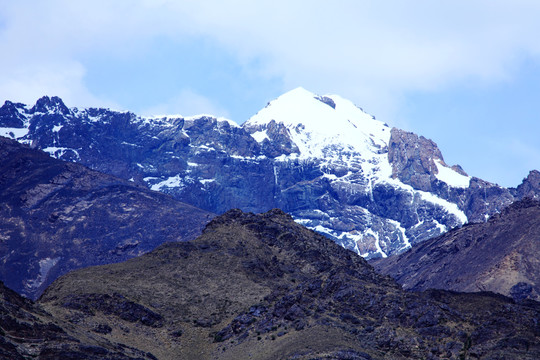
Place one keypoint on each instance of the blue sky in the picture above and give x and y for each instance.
(463, 73)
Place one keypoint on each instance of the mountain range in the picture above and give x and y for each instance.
(373, 189)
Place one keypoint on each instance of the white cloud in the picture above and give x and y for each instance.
(371, 52)
(28, 83)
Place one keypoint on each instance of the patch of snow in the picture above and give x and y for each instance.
(204, 147)
(377, 242)
(323, 230)
(398, 226)
(58, 152)
(448, 206)
(329, 176)
(314, 126)
(199, 116)
(171, 182)
(451, 177)
(94, 119)
(259, 136)
(355, 238)
(56, 128)
(451, 208)
(45, 265)
(419, 224)
(206, 181)
(162, 117)
(150, 178)
(442, 228)
(230, 122)
(13, 133)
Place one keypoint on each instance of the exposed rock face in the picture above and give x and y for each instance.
(530, 188)
(57, 216)
(413, 159)
(336, 169)
(28, 332)
(265, 287)
(500, 255)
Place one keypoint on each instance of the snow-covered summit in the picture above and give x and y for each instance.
(316, 122)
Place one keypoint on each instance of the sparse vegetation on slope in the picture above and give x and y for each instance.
(264, 287)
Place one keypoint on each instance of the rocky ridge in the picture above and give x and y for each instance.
(499, 255)
(56, 216)
(373, 189)
(29, 332)
(265, 287)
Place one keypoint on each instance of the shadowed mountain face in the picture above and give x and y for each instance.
(28, 332)
(500, 255)
(265, 287)
(57, 216)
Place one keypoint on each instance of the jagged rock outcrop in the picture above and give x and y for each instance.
(265, 287)
(530, 187)
(499, 255)
(336, 169)
(57, 216)
(29, 332)
(413, 159)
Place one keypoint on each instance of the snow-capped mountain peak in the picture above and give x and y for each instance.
(317, 122)
(360, 158)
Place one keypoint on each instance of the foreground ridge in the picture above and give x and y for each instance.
(28, 332)
(499, 255)
(266, 287)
